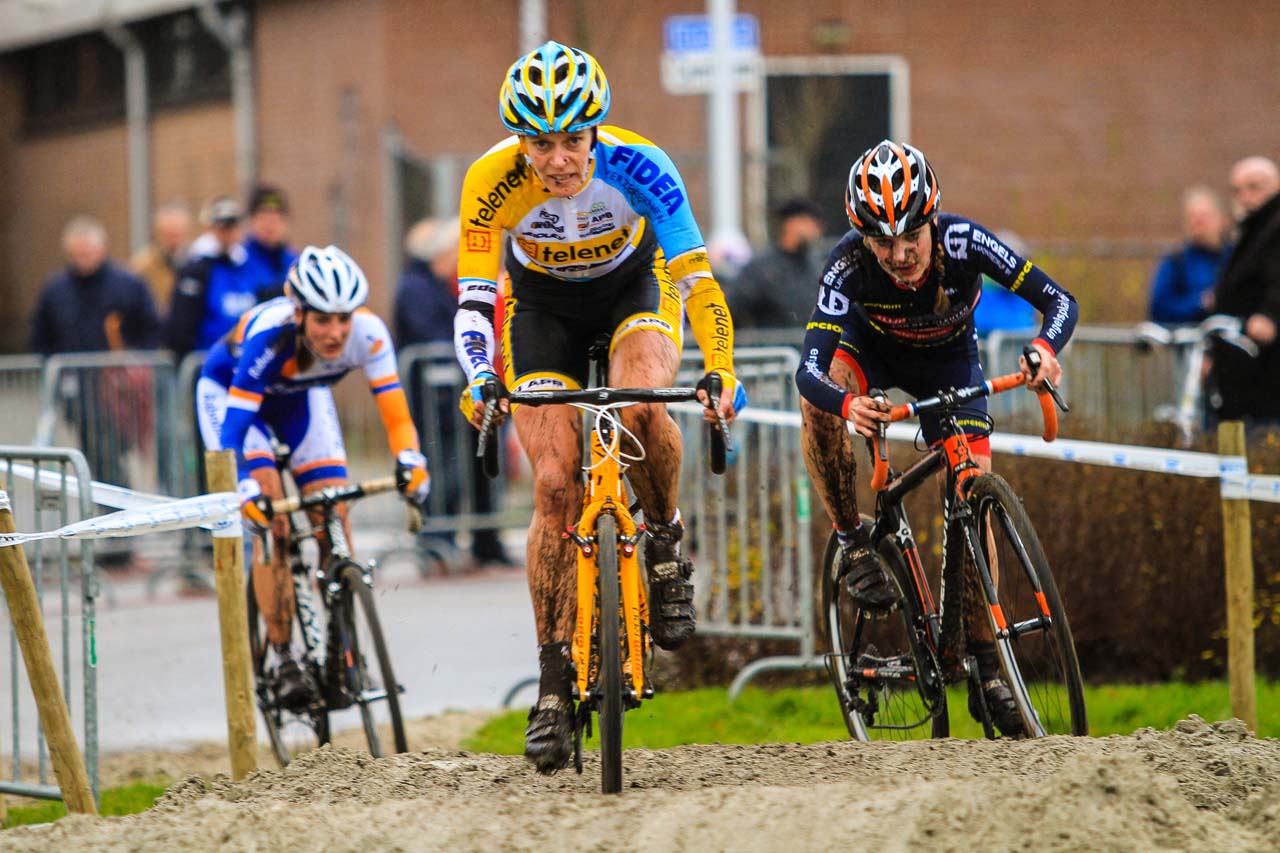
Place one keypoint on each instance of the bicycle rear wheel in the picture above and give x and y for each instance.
(290, 733)
(1034, 641)
(361, 643)
(886, 679)
(610, 705)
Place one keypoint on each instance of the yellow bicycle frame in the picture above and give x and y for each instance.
(605, 494)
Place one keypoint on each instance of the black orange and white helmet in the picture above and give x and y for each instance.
(327, 280)
(892, 190)
(553, 89)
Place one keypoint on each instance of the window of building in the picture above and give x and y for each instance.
(80, 80)
(813, 116)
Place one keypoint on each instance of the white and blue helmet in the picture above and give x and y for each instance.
(327, 280)
(553, 89)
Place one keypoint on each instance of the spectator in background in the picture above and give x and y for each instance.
(1249, 388)
(214, 286)
(999, 308)
(775, 285)
(158, 263)
(425, 304)
(1182, 290)
(94, 305)
(267, 244)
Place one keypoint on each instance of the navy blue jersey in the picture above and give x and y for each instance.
(857, 295)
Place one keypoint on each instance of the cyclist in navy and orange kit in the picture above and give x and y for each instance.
(895, 310)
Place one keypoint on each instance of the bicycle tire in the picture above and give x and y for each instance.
(875, 707)
(355, 605)
(611, 706)
(1038, 659)
(289, 733)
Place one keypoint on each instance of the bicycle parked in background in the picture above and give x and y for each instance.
(891, 672)
(344, 650)
(1188, 413)
(611, 646)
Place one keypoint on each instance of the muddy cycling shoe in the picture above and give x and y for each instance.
(672, 616)
(291, 683)
(995, 692)
(864, 575)
(1000, 704)
(548, 740)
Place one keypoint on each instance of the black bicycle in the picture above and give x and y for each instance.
(891, 672)
(344, 650)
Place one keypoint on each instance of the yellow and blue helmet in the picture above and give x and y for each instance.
(553, 89)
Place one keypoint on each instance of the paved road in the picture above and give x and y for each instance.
(457, 643)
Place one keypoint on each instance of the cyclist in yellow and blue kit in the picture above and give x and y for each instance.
(271, 375)
(600, 240)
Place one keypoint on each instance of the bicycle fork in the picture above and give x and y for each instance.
(633, 600)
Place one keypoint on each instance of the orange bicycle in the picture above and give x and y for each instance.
(611, 644)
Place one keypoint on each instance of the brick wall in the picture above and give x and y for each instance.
(1065, 123)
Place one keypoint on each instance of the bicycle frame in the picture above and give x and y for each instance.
(604, 492)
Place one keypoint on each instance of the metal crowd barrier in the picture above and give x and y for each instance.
(67, 586)
(748, 530)
(20, 378)
(120, 409)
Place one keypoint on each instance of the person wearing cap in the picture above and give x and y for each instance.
(215, 286)
(268, 255)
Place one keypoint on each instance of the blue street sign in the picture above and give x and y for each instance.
(692, 33)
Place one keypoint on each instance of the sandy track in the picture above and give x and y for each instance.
(1196, 787)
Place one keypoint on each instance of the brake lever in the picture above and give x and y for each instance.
(1032, 355)
(489, 392)
(882, 427)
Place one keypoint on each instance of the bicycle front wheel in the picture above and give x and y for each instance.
(886, 679)
(610, 705)
(1033, 637)
(362, 648)
(289, 732)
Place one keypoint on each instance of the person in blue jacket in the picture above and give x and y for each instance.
(1182, 290)
(214, 287)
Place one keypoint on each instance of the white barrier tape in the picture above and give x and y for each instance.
(222, 509)
(4, 501)
(103, 494)
(1231, 470)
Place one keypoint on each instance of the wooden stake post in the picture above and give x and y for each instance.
(237, 670)
(1238, 551)
(55, 717)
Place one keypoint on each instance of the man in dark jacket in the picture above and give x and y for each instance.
(1250, 289)
(95, 305)
(425, 304)
(773, 288)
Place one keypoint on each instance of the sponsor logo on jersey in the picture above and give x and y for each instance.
(832, 301)
(954, 240)
(834, 273)
(1017, 282)
(476, 347)
(993, 249)
(541, 383)
(826, 327)
(490, 204)
(565, 254)
(646, 173)
(597, 220)
(479, 240)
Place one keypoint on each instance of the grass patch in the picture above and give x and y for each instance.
(128, 799)
(809, 715)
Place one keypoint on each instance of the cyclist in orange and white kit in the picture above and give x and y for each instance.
(600, 239)
(271, 375)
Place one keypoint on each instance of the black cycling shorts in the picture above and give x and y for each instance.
(550, 323)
